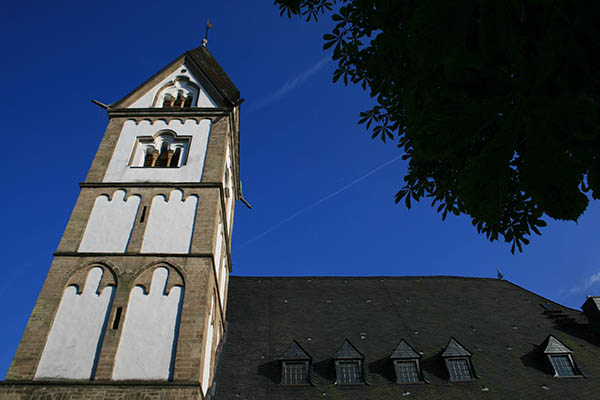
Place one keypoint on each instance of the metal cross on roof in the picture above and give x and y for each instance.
(208, 26)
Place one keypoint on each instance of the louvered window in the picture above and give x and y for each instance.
(295, 373)
(407, 371)
(459, 369)
(349, 372)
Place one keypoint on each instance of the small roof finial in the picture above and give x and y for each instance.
(208, 26)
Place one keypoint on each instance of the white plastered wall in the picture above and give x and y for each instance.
(170, 224)
(147, 344)
(147, 100)
(120, 170)
(208, 346)
(109, 228)
(73, 342)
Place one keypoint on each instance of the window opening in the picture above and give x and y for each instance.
(117, 319)
(169, 101)
(562, 365)
(295, 372)
(166, 150)
(143, 216)
(149, 158)
(407, 372)
(174, 163)
(179, 93)
(459, 369)
(349, 372)
(163, 157)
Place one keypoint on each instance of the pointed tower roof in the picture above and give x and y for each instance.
(203, 66)
(294, 352)
(554, 346)
(455, 349)
(347, 351)
(404, 351)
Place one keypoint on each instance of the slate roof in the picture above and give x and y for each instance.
(347, 351)
(554, 346)
(294, 352)
(501, 324)
(404, 351)
(215, 73)
(454, 349)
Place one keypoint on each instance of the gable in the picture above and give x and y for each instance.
(195, 72)
(179, 80)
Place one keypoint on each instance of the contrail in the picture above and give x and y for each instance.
(290, 85)
(338, 191)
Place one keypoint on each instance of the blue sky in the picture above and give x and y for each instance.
(322, 191)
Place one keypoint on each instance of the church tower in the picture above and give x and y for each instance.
(134, 302)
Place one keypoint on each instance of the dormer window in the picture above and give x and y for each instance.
(180, 93)
(165, 150)
(561, 358)
(406, 364)
(295, 364)
(458, 362)
(349, 365)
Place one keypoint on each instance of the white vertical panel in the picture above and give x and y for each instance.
(147, 344)
(110, 224)
(73, 343)
(208, 348)
(119, 170)
(170, 224)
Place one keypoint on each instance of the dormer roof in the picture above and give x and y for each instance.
(404, 351)
(554, 346)
(347, 351)
(295, 352)
(455, 349)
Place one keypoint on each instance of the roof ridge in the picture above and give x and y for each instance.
(368, 277)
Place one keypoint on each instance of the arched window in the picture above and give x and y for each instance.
(165, 150)
(180, 93)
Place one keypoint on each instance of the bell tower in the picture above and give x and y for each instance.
(134, 302)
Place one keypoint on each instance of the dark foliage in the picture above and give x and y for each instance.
(495, 103)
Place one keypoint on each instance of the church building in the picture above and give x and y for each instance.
(139, 302)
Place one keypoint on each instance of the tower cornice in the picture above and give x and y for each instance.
(170, 112)
(118, 185)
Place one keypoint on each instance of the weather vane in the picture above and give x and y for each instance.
(208, 26)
